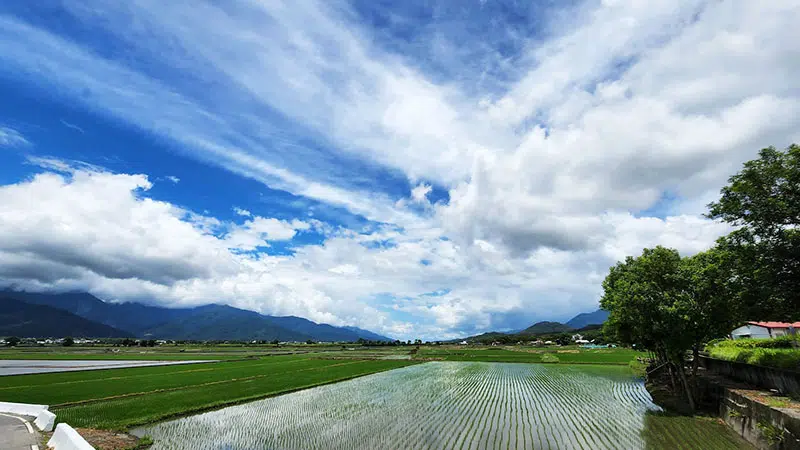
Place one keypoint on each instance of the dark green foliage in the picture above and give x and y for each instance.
(763, 253)
(68, 342)
(668, 305)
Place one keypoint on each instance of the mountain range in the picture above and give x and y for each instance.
(585, 319)
(580, 322)
(38, 314)
(27, 320)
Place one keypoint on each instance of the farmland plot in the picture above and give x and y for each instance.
(459, 405)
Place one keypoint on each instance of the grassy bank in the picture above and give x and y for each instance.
(779, 353)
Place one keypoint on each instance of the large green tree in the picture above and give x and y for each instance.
(669, 305)
(763, 253)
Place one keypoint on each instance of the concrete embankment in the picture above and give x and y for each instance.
(762, 417)
(759, 418)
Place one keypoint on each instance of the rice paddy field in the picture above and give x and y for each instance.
(119, 398)
(574, 355)
(462, 405)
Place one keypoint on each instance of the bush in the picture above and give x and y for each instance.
(778, 342)
(781, 358)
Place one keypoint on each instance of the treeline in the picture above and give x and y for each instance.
(671, 305)
(593, 333)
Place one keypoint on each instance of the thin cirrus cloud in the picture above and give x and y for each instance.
(551, 148)
(10, 137)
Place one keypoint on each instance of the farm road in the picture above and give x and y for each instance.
(17, 434)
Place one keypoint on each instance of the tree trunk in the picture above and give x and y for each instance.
(685, 383)
(671, 376)
(695, 364)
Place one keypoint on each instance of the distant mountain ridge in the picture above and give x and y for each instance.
(597, 317)
(580, 322)
(209, 322)
(22, 319)
(546, 328)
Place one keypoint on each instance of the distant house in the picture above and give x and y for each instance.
(463, 342)
(577, 337)
(764, 330)
(582, 341)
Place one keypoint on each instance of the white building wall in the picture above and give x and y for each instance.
(751, 331)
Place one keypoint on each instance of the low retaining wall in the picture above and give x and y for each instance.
(66, 438)
(759, 424)
(787, 382)
(22, 409)
(45, 420)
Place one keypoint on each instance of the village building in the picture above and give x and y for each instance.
(764, 330)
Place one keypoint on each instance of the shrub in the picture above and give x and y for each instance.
(778, 342)
(782, 358)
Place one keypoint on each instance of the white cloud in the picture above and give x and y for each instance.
(420, 193)
(173, 179)
(549, 173)
(10, 137)
(257, 231)
(242, 212)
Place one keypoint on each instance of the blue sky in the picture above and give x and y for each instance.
(422, 169)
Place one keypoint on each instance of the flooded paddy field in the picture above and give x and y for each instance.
(21, 366)
(462, 405)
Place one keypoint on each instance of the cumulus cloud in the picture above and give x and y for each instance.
(242, 212)
(420, 193)
(556, 158)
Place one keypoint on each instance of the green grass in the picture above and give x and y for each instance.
(118, 398)
(668, 431)
(121, 413)
(68, 387)
(781, 358)
(778, 342)
(573, 355)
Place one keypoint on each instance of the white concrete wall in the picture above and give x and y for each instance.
(751, 331)
(22, 409)
(66, 438)
(45, 420)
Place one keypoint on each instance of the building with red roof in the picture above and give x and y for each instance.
(764, 330)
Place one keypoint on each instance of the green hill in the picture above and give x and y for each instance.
(546, 328)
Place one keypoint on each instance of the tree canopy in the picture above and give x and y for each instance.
(670, 304)
(763, 253)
